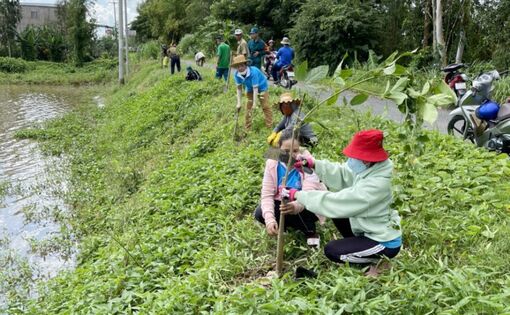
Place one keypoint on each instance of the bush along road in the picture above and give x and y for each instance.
(163, 201)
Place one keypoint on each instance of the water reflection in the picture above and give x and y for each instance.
(26, 208)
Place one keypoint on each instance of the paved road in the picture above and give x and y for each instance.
(381, 107)
(375, 105)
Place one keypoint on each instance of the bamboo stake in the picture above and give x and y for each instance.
(281, 225)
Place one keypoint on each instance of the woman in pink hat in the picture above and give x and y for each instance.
(358, 201)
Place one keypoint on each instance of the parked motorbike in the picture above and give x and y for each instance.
(455, 78)
(287, 77)
(269, 60)
(492, 133)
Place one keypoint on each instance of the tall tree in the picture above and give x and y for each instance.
(80, 28)
(10, 15)
(325, 30)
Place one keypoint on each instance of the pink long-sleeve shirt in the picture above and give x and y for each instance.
(269, 192)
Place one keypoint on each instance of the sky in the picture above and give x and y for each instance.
(102, 10)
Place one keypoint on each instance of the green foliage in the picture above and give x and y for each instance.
(42, 43)
(149, 50)
(80, 30)
(347, 26)
(13, 65)
(10, 15)
(163, 203)
(44, 72)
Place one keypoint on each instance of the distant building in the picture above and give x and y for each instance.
(37, 14)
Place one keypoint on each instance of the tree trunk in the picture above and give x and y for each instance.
(441, 45)
(426, 24)
(460, 48)
(9, 48)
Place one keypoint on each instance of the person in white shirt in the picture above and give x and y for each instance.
(200, 58)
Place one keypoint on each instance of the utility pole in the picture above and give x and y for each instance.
(115, 18)
(126, 31)
(121, 42)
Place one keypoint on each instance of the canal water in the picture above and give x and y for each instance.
(31, 186)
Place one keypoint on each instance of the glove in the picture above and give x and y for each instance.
(276, 140)
(289, 193)
(271, 137)
(304, 162)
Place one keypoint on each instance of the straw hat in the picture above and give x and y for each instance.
(285, 41)
(239, 60)
(288, 98)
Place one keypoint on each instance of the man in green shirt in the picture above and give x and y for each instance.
(256, 48)
(223, 53)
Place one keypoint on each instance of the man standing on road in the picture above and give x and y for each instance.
(256, 87)
(284, 58)
(242, 45)
(223, 53)
(256, 47)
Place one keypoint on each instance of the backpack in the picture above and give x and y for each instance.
(193, 75)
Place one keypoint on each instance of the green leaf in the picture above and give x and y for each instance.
(440, 100)
(426, 88)
(413, 93)
(346, 73)
(391, 58)
(339, 81)
(317, 74)
(322, 125)
(359, 99)
(397, 97)
(332, 99)
(400, 85)
(301, 70)
(400, 70)
(338, 69)
(389, 70)
(429, 113)
(443, 88)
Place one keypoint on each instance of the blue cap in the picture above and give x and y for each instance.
(254, 30)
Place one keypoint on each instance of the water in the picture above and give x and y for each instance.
(35, 181)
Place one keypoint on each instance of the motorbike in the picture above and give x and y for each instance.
(269, 60)
(455, 78)
(492, 134)
(287, 77)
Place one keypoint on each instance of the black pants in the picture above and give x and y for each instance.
(304, 221)
(175, 61)
(356, 249)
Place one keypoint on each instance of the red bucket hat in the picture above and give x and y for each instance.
(367, 145)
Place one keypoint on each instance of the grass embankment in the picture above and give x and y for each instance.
(44, 72)
(163, 203)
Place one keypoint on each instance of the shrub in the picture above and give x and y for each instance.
(13, 65)
(149, 50)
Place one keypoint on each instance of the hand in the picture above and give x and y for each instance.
(304, 162)
(238, 106)
(289, 193)
(271, 137)
(256, 53)
(272, 228)
(290, 208)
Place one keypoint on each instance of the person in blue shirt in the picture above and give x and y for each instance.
(255, 83)
(284, 58)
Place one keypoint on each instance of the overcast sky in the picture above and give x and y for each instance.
(102, 10)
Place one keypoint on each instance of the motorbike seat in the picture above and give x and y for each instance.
(453, 67)
(503, 113)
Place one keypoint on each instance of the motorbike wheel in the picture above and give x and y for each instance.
(284, 81)
(456, 127)
(268, 72)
